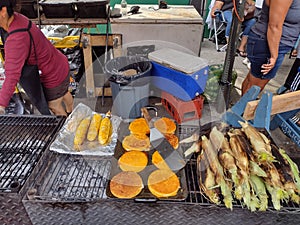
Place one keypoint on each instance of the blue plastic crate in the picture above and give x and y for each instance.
(178, 73)
(288, 127)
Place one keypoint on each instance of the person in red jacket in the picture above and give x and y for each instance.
(53, 65)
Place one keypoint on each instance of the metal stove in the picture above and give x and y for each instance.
(71, 190)
(23, 140)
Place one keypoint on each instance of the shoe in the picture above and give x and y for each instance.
(246, 61)
(241, 53)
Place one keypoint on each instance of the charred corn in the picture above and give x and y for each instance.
(192, 138)
(224, 153)
(242, 162)
(81, 132)
(257, 142)
(291, 189)
(286, 175)
(217, 169)
(255, 169)
(244, 143)
(239, 154)
(260, 191)
(275, 186)
(94, 127)
(276, 194)
(207, 181)
(105, 129)
(282, 166)
(196, 146)
(293, 166)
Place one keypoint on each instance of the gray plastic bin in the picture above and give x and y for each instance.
(129, 93)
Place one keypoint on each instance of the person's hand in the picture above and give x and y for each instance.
(265, 68)
(215, 12)
(294, 53)
(213, 15)
(2, 110)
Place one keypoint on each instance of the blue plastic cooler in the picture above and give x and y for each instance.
(178, 73)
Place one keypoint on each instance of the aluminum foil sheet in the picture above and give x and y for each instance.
(65, 138)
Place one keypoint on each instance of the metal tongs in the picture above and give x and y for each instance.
(171, 156)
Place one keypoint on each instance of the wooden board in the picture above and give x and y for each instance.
(114, 40)
(150, 14)
(79, 22)
(280, 103)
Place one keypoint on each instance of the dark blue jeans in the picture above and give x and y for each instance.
(259, 53)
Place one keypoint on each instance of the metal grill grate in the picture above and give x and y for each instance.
(194, 192)
(73, 178)
(194, 195)
(23, 140)
(70, 178)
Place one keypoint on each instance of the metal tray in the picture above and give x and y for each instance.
(145, 195)
(75, 8)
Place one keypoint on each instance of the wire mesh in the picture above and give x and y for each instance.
(70, 178)
(23, 141)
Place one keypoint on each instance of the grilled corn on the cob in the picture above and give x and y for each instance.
(94, 127)
(293, 166)
(257, 142)
(81, 132)
(286, 175)
(217, 169)
(105, 129)
(261, 170)
(242, 163)
(225, 154)
(207, 179)
(258, 186)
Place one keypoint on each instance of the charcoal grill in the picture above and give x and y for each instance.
(23, 140)
(71, 178)
(71, 190)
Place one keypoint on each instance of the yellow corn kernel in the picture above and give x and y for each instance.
(105, 130)
(81, 132)
(94, 127)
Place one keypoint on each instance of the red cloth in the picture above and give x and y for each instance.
(51, 62)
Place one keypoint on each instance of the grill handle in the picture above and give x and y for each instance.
(145, 200)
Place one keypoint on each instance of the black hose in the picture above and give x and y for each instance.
(226, 78)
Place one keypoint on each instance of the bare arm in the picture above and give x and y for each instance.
(217, 6)
(277, 12)
(2, 110)
(251, 2)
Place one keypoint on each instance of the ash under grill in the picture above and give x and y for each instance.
(23, 141)
(71, 178)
